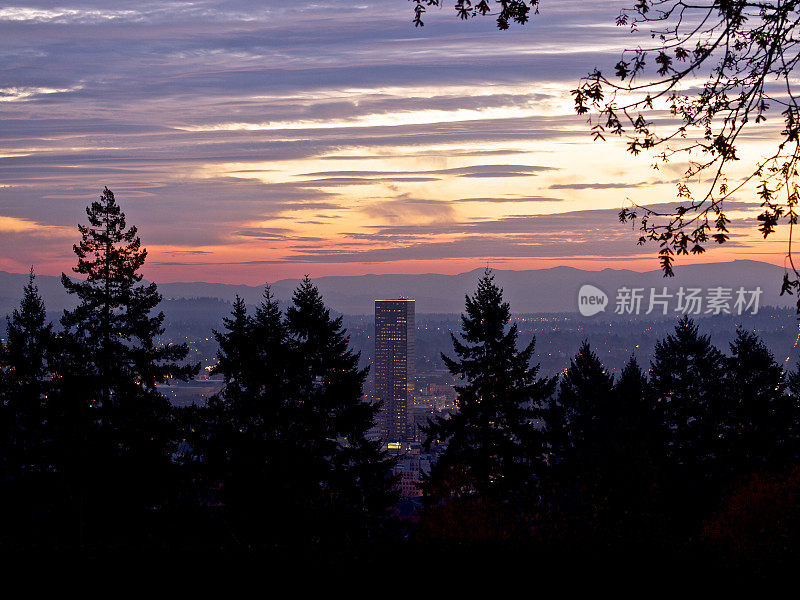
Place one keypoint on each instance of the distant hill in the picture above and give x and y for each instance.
(532, 291)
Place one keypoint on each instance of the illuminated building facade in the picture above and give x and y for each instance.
(394, 368)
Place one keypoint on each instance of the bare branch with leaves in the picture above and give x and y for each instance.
(716, 67)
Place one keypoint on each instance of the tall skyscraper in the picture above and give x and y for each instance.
(394, 368)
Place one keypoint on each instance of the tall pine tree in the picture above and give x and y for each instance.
(578, 424)
(25, 369)
(759, 427)
(342, 485)
(494, 451)
(236, 355)
(244, 449)
(113, 321)
(579, 416)
(114, 424)
(687, 378)
(25, 385)
(636, 471)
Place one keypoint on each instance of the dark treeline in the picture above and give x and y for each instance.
(93, 456)
(700, 448)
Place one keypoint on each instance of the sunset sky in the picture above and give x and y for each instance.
(256, 140)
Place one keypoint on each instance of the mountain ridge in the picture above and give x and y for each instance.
(547, 290)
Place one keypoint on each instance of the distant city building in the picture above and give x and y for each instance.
(394, 369)
(410, 470)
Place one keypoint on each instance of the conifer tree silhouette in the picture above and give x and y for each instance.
(344, 486)
(25, 384)
(494, 450)
(245, 448)
(687, 377)
(25, 381)
(758, 428)
(578, 421)
(114, 425)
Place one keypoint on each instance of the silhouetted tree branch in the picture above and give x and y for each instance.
(716, 68)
